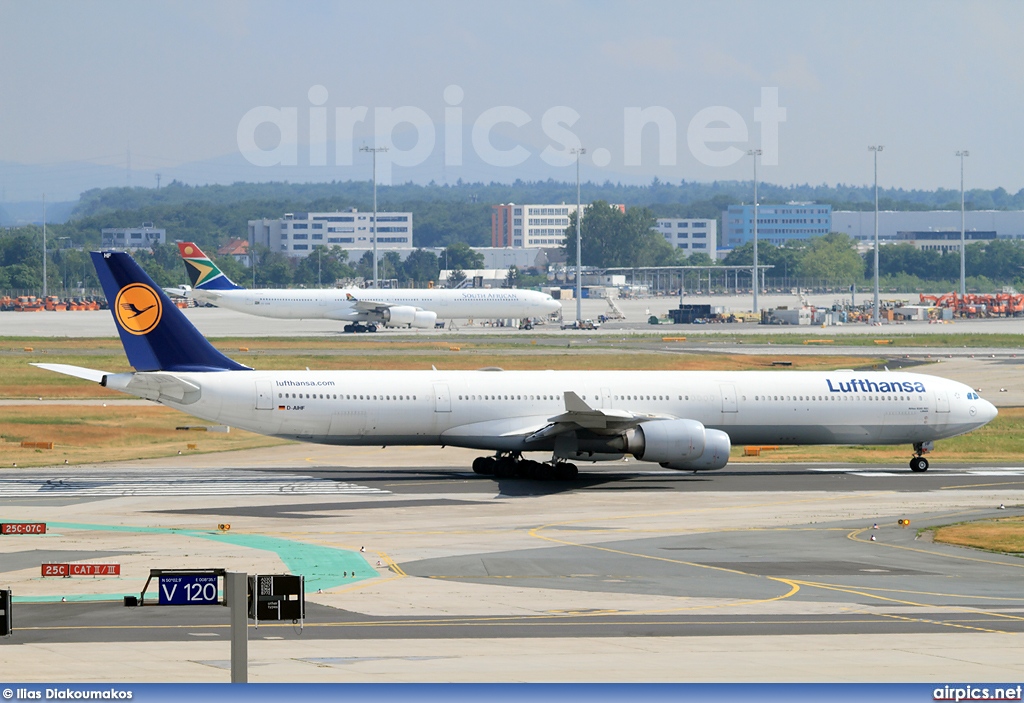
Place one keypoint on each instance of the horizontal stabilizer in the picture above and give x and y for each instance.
(76, 371)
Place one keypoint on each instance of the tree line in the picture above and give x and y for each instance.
(69, 269)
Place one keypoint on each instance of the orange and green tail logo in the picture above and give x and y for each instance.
(200, 269)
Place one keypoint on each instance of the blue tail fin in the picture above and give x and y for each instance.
(155, 334)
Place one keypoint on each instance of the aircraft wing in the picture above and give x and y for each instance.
(369, 307)
(579, 415)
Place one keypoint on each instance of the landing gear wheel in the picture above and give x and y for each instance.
(484, 465)
(563, 471)
(371, 328)
(504, 467)
(349, 328)
(918, 464)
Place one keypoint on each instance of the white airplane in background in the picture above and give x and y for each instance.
(364, 309)
(686, 420)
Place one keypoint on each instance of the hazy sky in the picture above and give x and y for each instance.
(83, 82)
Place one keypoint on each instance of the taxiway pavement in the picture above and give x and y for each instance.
(431, 573)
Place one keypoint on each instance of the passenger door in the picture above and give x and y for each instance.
(729, 398)
(264, 395)
(442, 398)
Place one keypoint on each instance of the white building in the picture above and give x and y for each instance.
(692, 236)
(532, 226)
(143, 237)
(298, 234)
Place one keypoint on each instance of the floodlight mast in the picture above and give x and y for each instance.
(756, 280)
(579, 151)
(963, 229)
(875, 150)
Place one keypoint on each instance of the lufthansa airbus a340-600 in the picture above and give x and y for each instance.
(363, 309)
(683, 420)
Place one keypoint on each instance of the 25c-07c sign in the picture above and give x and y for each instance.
(188, 589)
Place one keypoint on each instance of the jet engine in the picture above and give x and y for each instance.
(408, 316)
(424, 320)
(399, 316)
(714, 456)
(668, 441)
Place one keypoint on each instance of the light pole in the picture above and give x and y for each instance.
(374, 150)
(875, 150)
(757, 282)
(44, 246)
(579, 151)
(963, 229)
(63, 261)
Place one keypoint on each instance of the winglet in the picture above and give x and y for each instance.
(203, 273)
(155, 334)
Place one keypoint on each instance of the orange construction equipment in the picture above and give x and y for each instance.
(27, 303)
(53, 302)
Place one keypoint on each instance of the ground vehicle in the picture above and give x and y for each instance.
(580, 325)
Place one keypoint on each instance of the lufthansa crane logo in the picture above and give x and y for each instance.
(138, 308)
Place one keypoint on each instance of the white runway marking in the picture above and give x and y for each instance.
(934, 471)
(150, 483)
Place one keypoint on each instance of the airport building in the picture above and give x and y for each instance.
(298, 234)
(143, 237)
(1007, 224)
(776, 224)
(531, 226)
(941, 242)
(692, 236)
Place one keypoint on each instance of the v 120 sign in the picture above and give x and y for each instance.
(187, 589)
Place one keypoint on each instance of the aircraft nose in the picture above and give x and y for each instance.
(551, 305)
(987, 412)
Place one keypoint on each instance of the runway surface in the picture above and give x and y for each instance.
(442, 559)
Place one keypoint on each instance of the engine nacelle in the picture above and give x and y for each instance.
(424, 320)
(667, 441)
(714, 456)
(399, 316)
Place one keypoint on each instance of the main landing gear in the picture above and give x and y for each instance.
(919, 463)
(360, 327)
(512, 464)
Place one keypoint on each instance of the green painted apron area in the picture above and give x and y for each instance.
(323, 567)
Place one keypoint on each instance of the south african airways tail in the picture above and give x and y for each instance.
(203, 273)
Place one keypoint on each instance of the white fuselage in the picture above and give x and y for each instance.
(498, 410)
(340, 304)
